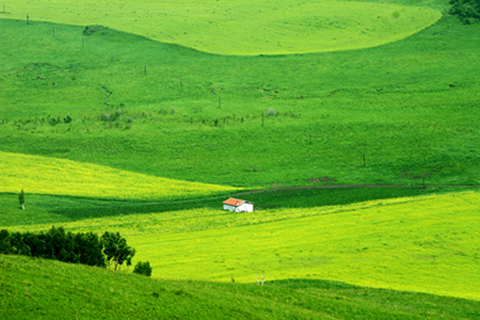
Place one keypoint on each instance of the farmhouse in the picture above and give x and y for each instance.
(237, 205)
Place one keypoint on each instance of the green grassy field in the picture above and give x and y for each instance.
(44, 289)
(145, 126)
(409, 106)
(243, 27)
(424, 244)
(42, 175)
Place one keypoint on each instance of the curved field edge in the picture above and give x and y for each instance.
(423, 244)
(244, 27)
(43, 289)
(43, 175)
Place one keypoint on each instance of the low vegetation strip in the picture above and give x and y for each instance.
(425, 244)
(245, 27)
(42, 175)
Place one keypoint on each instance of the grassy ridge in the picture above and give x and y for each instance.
(44, 175)
(409, 106)
(243, 27)
(424, 244)
(43, 289)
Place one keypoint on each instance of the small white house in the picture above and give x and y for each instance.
(237, 205)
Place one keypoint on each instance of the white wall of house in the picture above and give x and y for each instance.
(245, 207)
(229, 207)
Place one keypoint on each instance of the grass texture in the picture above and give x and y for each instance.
(163, 110)
(42, 175)
(244, 27)
(43, 289)
(424, 244)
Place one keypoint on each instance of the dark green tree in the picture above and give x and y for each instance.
(21, 199)
(143, 268)
(18, 245)
(36, 243)
(88, 248)
(467, 11)
(60, 245)
(5, 246)
(116, 249)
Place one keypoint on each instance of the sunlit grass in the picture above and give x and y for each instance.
(42, 175)
(425, 244)
(46, 289)
(246, 27)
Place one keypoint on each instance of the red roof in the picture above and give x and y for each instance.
(234, 202)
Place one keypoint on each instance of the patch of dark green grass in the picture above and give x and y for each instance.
(56, 209)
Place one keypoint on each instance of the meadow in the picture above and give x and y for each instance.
(44, 289)
(407, 108)
(113, 119)
(44, 175)
(421, 243)
(243, 27)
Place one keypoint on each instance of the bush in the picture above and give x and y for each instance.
(92, 29)
(467, 11)
(143, 268)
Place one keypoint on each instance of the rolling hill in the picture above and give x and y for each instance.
(141, 117)
(423, 244)
(243, 27)
(47, 289)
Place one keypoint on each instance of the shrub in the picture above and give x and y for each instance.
(467, 11)
(92, 29)
(143, 268)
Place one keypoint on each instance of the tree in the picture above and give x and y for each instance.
(5, 245)
(36, 243)
(88, 248)
(18, 245)
(116, 249)
(143, 268)
(21, 199)
(466, 10)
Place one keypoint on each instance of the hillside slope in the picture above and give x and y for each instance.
(243, 27)
(389, 114)
(43, 175)
(42, 289)
(424, 244)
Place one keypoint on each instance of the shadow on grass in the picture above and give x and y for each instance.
(74, 208)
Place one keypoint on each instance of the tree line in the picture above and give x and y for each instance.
(109, 250)
(467, 10)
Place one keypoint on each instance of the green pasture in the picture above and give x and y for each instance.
(244, 27)
(144, 126)
(133, 104)
(43, 289)
(54, 209)
(424, 244)
(42, 175)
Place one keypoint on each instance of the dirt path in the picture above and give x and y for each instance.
(345, 186)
